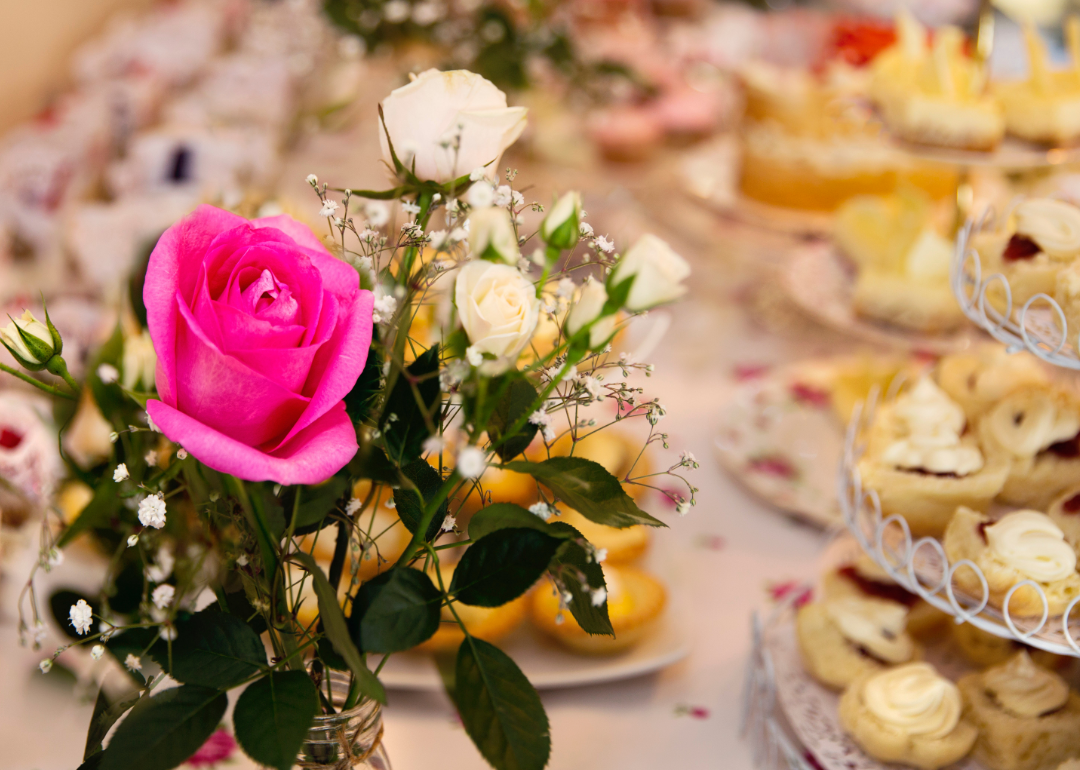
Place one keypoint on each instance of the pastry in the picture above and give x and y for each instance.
(981, 648)
(1027, 716)
(488, 623)
(620, 546)
(1043, 239)
(910, 715)
(864, 578)
(1038, 429)
(635, 602)
(978, 379)
(1065, 512)
(923, 463)
(935, 94)
(1044, 107)
(844, 637)
(853, 381)
(1022, 545)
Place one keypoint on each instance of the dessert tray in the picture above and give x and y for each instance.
(1038, 325)
(821, 284)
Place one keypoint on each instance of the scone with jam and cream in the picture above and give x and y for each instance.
(1022, 545)
(910, 715)
(864, 578)
(845, 637)
(979, 378)
(923, 463)
(1038, 429)
(1028, 717)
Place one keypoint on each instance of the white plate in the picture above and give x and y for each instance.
(549, 666)
(821, 283)
(779, 437)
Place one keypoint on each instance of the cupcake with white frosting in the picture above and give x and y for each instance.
(909, 714)
(1022, 545)
(1027, 716)
(923, 462)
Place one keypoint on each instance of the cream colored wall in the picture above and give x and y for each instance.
(36, 41)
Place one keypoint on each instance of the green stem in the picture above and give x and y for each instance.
(422, 218)
(513, 430)
(36, 383)
(551, 254)
(57, 366)
(432, 506)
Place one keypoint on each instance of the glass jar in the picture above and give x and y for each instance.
(347, 740)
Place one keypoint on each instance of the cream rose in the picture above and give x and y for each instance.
(659, 273)
(424, 117)
(492, 236)
(499, 309)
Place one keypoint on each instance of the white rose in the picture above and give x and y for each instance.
(140, 362)
(492, 236)
(499, 309)
(587, 309)
(14, 342)
(561, 227)
(429, 112)
(658, 270)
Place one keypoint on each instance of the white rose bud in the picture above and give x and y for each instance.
(140, 362)
(492, 236)
(561, 228)
(33, 352)
(420, 115)
(657, 270)
(587, 309)
(499, 309)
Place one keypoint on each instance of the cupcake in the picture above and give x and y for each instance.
(635, 602)
(910, 715)
(1022, 545)
(923, 463)
(843, 638)
(1027, 716)
(1038, 429)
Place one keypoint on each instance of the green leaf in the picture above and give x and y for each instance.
(500, 710)
(403, 425)
(333, 621)
(104, 717)
(505, 516)
(516, 403)
(212, 649)
(316, 503)
(395, 611)
(361, 399)
(163, 731)
(104, 504)
(588, 488)
(93, 762)
(501, 566)
(410, 502)
(273, 715)
(571, 563)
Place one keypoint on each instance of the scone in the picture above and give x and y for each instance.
(1022, 545)
(978, 379)
(864, 578)
(635, 602)
(983, 649)
(1043, 237)
(488, 623)
(1027, 717)
(923, 463)
(1065, 512)
(1038, 429)
(842, 638)
(621, 546)
(909, 714)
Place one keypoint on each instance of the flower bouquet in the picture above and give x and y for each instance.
(301, 385)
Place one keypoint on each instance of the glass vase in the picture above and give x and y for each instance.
(347, 740)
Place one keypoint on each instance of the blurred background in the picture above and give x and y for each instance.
(745, 134)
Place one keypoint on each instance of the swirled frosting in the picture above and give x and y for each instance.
(1025, 689)
(1032, 544)
(1053, 224)
(877, 625)
(1037, 426)
(914, 699)
(929, 424)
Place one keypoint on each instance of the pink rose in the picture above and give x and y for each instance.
(260, 333)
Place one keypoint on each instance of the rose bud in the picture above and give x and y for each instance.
(657, 271)
(589, 309)
(561, 228)
(492, 236)
(30, 341)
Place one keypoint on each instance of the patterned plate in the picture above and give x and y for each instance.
(821, 283)
(779, 437)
